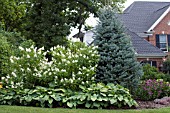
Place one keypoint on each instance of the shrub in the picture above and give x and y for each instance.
(5, 53)
(95, 96)
(100, 96)
(24, 68)
(74, 65)
(152, 89)
(68, 68)
(166, 66)
(151, 72)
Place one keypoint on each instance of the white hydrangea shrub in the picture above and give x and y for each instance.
(70, 66)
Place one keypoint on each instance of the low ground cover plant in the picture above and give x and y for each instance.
(94, 96)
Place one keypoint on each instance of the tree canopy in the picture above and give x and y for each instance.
(48, 22)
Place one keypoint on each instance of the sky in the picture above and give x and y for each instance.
(92, 21)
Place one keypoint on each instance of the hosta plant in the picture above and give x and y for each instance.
(40, 96)
(100, 96)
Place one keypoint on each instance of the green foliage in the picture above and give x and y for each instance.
(95, 96)
(100, 96)
(13, 38)
(152, 89)
(151, 72)
(49, 22)
(40, 96)
(68, 68)
(117, 62)
(5, 53)
(11, 14)
(166, 66)
(74, 65)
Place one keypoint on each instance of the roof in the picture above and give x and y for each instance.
(141, 15)
(143, 47)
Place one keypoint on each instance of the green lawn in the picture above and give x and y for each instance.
(18, 109)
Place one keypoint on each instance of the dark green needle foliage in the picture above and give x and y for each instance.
(117, 63)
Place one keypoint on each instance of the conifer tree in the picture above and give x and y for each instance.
(117, 63)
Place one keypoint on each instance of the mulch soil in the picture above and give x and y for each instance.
(150, 105)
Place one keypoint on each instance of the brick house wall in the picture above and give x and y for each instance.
(158, 60)
(161, 28)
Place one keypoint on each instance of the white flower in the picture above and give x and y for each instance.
(56, 69)
(68, 62)
(61, 80)
(14, 74)
(63, 70)
(82, 82)
(28, 50)
(56, 77)
(79, 72)
(50, 73)
(65, 79)
(75, 39)
(12, 61)
(41, 48)
(84, 68)
(8, 76)
(28, 56)
(3, 78)
(92, 68)
(92, 78)
(28, 69)
(35, 55)
(63, 60)
(21, 48)
(71, 80)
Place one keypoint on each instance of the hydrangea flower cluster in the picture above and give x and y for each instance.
(69, 67)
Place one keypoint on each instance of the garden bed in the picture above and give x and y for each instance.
(150, 105)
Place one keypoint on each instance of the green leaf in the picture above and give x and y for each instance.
(70, 104)
(56, 97)
(83, 97)
(87, 105)
(50, 101)
(46, 97)
(103, 94)
(110, 95)
(94, 97)
(96, 104)
(120, 98)
(104, 90)
(99, 99)
(112, 101)
(82, 87)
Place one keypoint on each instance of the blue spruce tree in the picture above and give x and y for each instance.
(117, 63)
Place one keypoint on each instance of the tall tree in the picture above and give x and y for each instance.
(11, 14)
(50, 21)
(117, 57)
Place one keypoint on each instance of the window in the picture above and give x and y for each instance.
(152, 63)
(163, 42)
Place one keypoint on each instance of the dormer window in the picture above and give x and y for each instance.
(163, 42)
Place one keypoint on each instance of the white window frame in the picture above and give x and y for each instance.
(163, 43)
